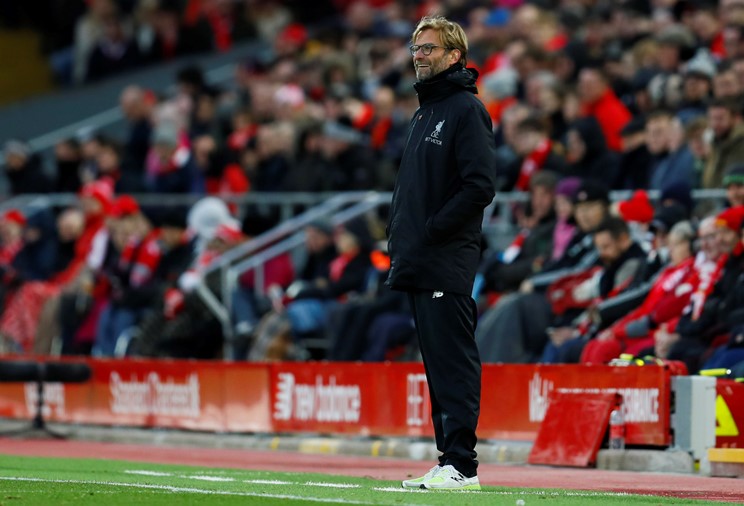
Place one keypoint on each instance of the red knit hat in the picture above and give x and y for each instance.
(124, 206)
(638, 208)
(99, 190)
(731, 218)
(15, 216)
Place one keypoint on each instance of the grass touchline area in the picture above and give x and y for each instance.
(27, 481)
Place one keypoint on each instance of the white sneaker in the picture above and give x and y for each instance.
(416, 482)
(449, 478)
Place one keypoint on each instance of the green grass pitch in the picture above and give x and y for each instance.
(26, 481)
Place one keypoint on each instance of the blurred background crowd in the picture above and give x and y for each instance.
(611, 120)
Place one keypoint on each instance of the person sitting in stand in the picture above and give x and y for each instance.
(514, 329)
(280, 333)
(536, 152)
(156, 335)
(21, 319)
(131, 275)
(703, 326)
(532, 245)
(621, 258)
(632, 333)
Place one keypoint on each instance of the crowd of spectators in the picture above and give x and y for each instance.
(585, 98)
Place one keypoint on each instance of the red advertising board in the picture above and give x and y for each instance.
(519, 396)
(392, 399)
(176, 394)
(335, 398)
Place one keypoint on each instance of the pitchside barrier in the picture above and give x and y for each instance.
(387, 399)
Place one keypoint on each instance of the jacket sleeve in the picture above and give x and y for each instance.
(617, 307)
(705, 327)
(475, 152)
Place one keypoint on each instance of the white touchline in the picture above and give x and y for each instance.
(426, 491)
(268, 482)
(208, 478)
(401, 489)
(257, 482)
(147, 473)
(330, 485)
(191, 490)
(558, 493)
(578, 493)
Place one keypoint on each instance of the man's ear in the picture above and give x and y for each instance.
(456, 54)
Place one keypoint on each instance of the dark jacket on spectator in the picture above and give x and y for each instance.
(317, 265)
(36, 261)
(580, 254)
(598, 162)
(103, 63)
(354, 169)
(352, 279)
(137, 146)
(29, 179)
(68, 176)
(634, 169)
(504, 277)
(179, 180)
(676, 166)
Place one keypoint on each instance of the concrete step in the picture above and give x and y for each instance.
(726, 462)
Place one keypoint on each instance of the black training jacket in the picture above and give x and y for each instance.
(446, 178)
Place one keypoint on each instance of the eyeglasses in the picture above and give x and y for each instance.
(426, 49)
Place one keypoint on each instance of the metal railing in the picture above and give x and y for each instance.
(285, 203)
(282, 239)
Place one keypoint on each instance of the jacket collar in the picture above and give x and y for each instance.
(446, 83)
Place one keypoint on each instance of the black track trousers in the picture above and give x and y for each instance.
(445, 324)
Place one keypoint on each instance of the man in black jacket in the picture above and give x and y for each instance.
(446, 179)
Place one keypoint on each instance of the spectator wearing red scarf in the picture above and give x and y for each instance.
(703, 326)
(536, 151)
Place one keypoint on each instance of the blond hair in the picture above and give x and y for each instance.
(450, 33)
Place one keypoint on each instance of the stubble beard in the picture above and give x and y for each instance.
(435, 67)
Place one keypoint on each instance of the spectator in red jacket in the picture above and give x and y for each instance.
(705, 273)
(600, 102)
